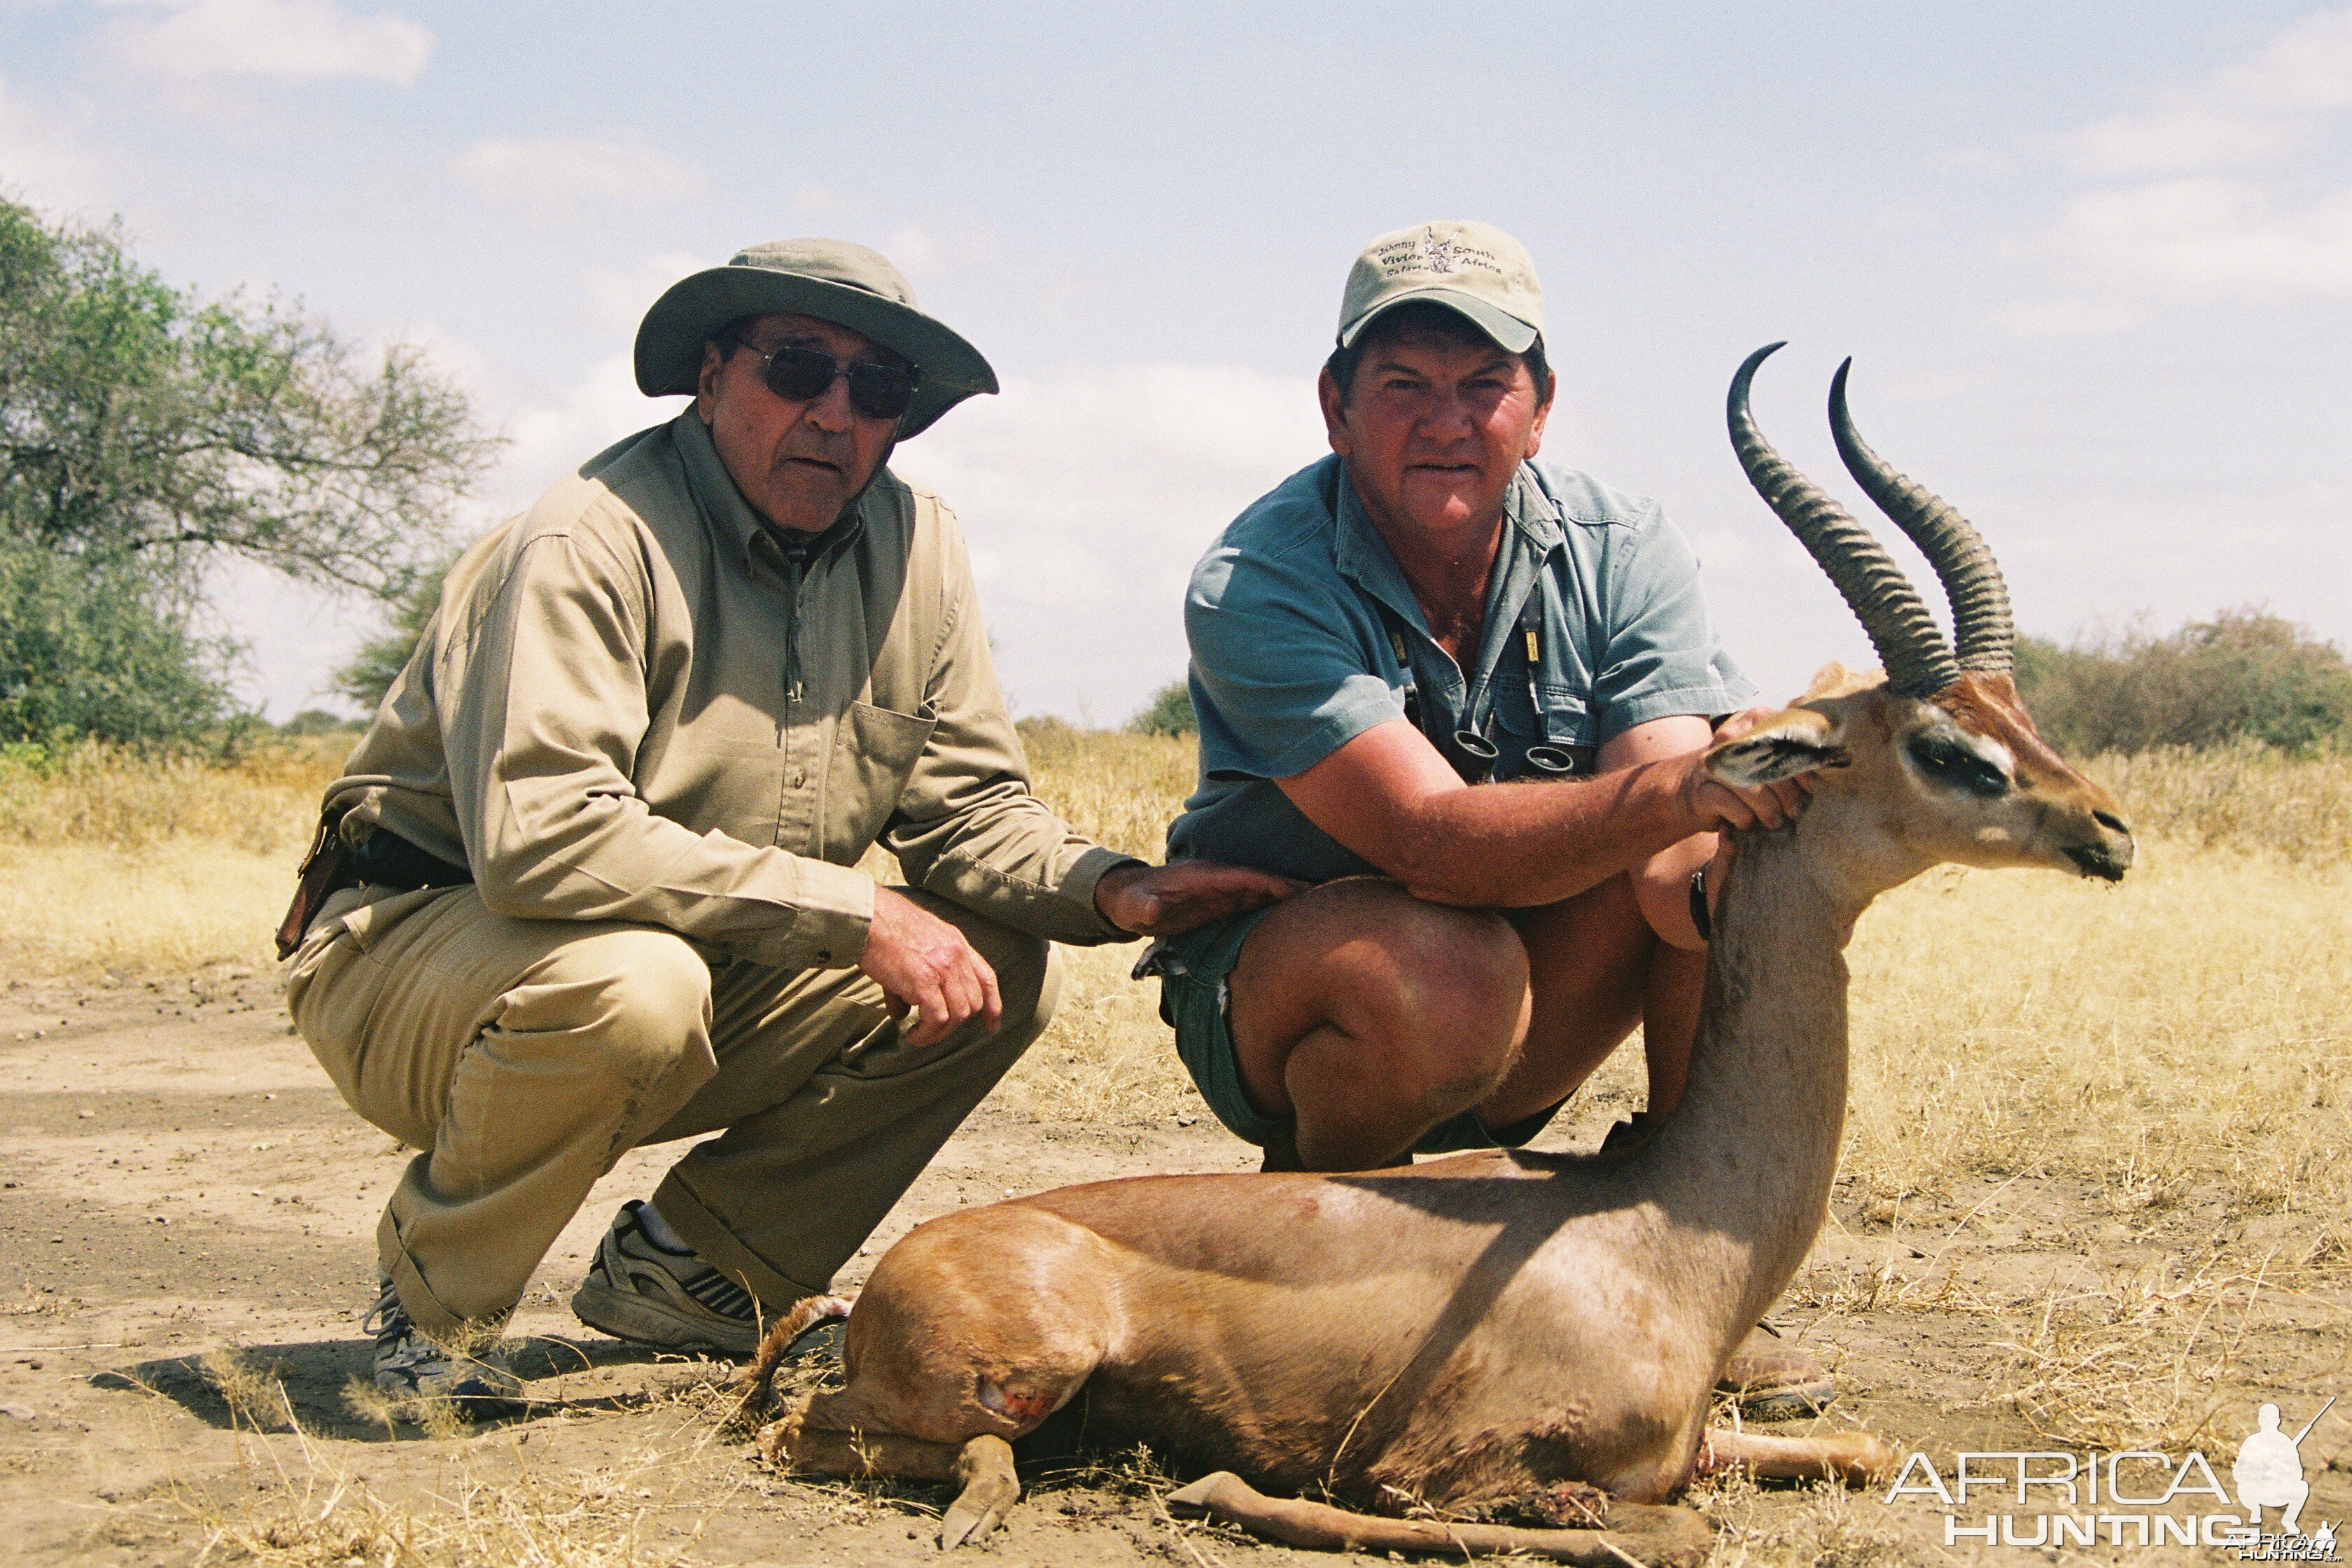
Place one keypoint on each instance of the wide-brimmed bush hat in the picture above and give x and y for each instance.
(830, 280)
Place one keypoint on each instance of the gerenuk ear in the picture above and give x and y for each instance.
(1793, 741)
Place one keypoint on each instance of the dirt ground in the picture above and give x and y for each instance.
(181, 1181)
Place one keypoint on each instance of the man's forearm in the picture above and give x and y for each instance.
(1522, 845)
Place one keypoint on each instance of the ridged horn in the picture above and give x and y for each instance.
(1983, 638)
(1900, 626)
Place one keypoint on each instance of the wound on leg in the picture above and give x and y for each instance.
(1014, 1402)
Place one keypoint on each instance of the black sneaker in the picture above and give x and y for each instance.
(640, 1290)
(411, 1365)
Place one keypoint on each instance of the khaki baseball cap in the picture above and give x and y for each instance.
(1471, 267)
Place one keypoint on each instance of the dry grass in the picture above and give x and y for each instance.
(2194, 1027)
(496, 1511)
(294, 1502)
(1827, 1527)
(262, 803)
(2158, 1066)
(2156, 1069)
(116, 862)
(1107, 1056)
(1118, 789)
(2244, 797)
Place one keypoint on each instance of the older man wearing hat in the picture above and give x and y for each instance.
(589, 880)
(1463, 692)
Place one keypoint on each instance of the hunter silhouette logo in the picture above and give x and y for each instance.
(2132, 1497)
(2269, 1469)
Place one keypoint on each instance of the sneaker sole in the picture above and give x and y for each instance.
(625, 1315)
(1785, 1401)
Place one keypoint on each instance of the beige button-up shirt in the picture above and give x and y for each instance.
(638, 702)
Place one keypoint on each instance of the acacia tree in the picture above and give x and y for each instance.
(145, 431)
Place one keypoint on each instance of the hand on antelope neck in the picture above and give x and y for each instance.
(1160, 900)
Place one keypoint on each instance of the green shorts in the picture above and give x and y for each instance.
(1196, 1000)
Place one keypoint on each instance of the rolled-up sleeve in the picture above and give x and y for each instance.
(1660, 656)
(541, 699)
(967, 825)
(1282, 673)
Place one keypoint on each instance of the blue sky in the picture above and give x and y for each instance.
(2095, 263)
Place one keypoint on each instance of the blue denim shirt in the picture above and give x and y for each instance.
(1295, 616)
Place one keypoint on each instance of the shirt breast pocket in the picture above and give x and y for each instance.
(1569, 719)
(875, 754)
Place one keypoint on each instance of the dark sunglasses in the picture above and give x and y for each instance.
(798, 375)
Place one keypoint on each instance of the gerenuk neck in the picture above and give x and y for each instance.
(1740, 1173)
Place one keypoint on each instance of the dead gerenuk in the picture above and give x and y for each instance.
(1485, 1333)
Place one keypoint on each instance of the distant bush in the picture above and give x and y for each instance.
(88, 647)
(318, 721)
(2244, 676)
(1169, 712)
(378, 661)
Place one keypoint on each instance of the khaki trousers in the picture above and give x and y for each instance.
(525, 1056)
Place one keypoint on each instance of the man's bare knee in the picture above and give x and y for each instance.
(1445, 965)
(1660, 889)
(1442, 998)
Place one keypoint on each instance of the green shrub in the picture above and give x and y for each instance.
(318, 722)
(89, 647)
(1169, 712)
(2243, 676)
(380, 659)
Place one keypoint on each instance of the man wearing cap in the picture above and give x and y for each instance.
(1427, 610)
(588, 879)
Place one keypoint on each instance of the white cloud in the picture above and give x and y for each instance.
(2204, 211)
(550, 439)
(2307, 67)
(2211, 237)
(284, 40)
(1088, 496)
(617, 297)
(2186, 139)
(2244, 113)
(549, 178)
(2067, 317)
(42, 160)
(922, 252)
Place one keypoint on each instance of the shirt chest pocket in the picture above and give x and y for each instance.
(1569, 719)
(1555, 744)
(874, 750)
(1566, 720)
